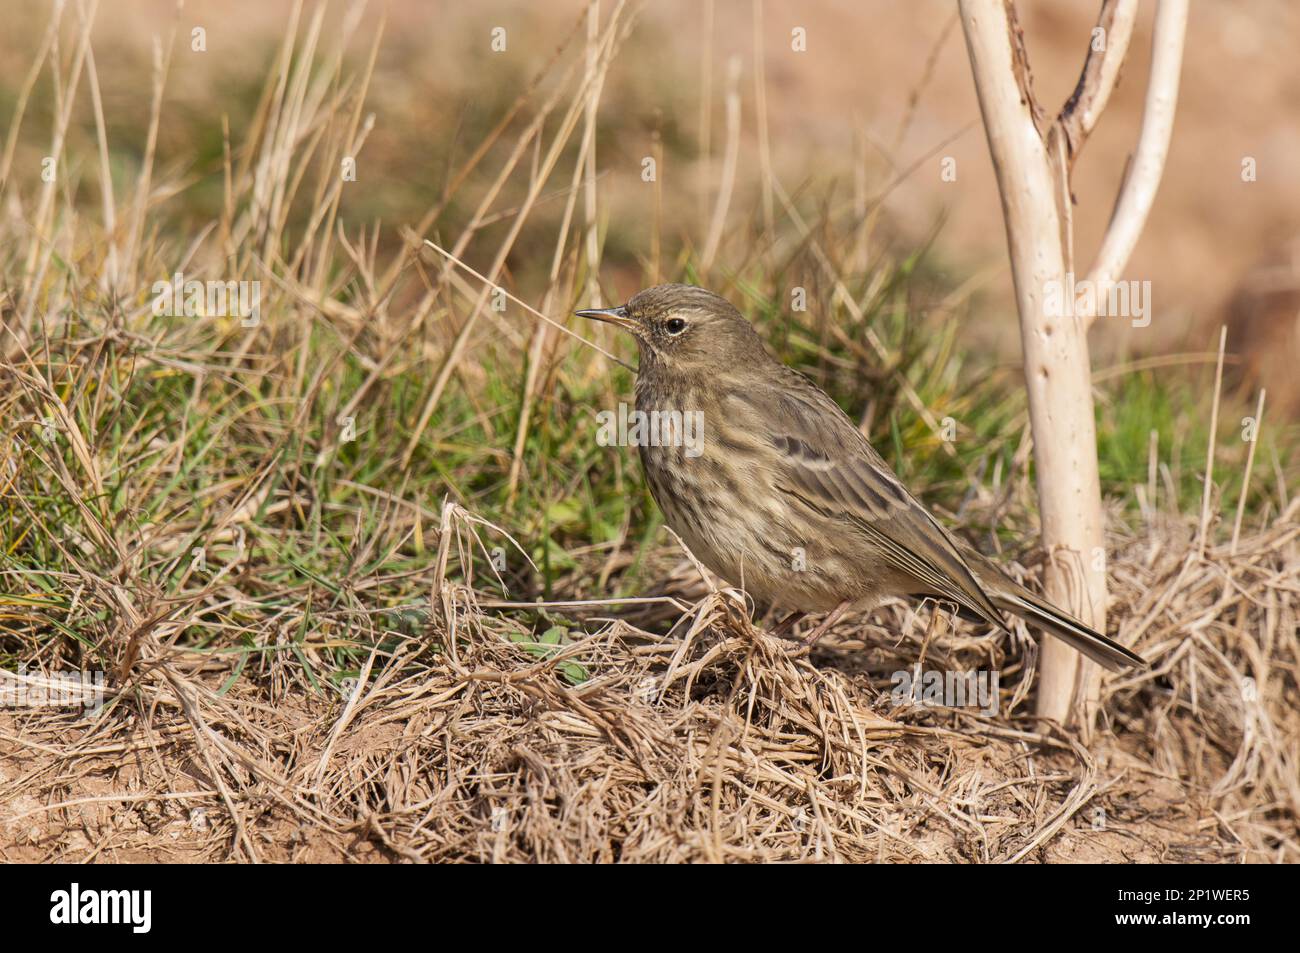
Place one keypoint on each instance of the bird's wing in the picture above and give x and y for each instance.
(823, 460)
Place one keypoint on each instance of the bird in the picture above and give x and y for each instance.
(782, 495)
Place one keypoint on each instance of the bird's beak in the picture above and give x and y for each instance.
(615, 316)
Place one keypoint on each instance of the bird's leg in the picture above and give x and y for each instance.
(785, 628)
(824, 626)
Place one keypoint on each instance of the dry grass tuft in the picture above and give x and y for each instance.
(714, 741)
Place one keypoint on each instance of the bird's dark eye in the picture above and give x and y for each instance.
(674, 325)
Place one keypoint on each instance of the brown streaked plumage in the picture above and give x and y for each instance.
(784, 496)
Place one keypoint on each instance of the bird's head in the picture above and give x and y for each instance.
(682, 328)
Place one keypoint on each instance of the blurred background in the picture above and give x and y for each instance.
(880, 96)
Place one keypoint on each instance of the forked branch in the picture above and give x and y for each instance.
(1100, 74)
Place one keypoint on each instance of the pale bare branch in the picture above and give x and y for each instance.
(1100, 74)
(1055, 345)
(1139, 189)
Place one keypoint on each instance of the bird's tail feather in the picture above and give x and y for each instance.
(1069, 630)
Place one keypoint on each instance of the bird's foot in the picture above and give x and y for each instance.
(785, 628)
(825, 625)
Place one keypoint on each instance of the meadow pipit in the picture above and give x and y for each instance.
(784, 496)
